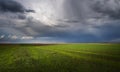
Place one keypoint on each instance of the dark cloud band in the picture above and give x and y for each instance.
(12, 6)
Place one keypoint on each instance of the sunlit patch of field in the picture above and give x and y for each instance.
(84, 57)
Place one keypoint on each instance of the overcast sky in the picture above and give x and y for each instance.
(59, 20)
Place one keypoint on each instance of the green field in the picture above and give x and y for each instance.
(60, 58)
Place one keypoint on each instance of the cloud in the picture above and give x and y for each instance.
(110, 8)
(12, 6)
(10, 31)
(115, 40)
(66, 20)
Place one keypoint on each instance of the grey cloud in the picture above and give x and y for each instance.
(115, 40)
(75, 14)
(10, 31)
(110, 8)
(21, 16)
(76, 20)
(33, 11)
(69, 20)
(12, 6)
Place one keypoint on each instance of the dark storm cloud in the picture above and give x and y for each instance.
(110, 8)
(12, 6)
(110, 31)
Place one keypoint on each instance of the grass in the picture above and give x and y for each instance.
(60, 58)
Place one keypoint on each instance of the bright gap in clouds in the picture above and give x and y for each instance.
(45, 13)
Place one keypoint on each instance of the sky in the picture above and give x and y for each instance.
(53, 21)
